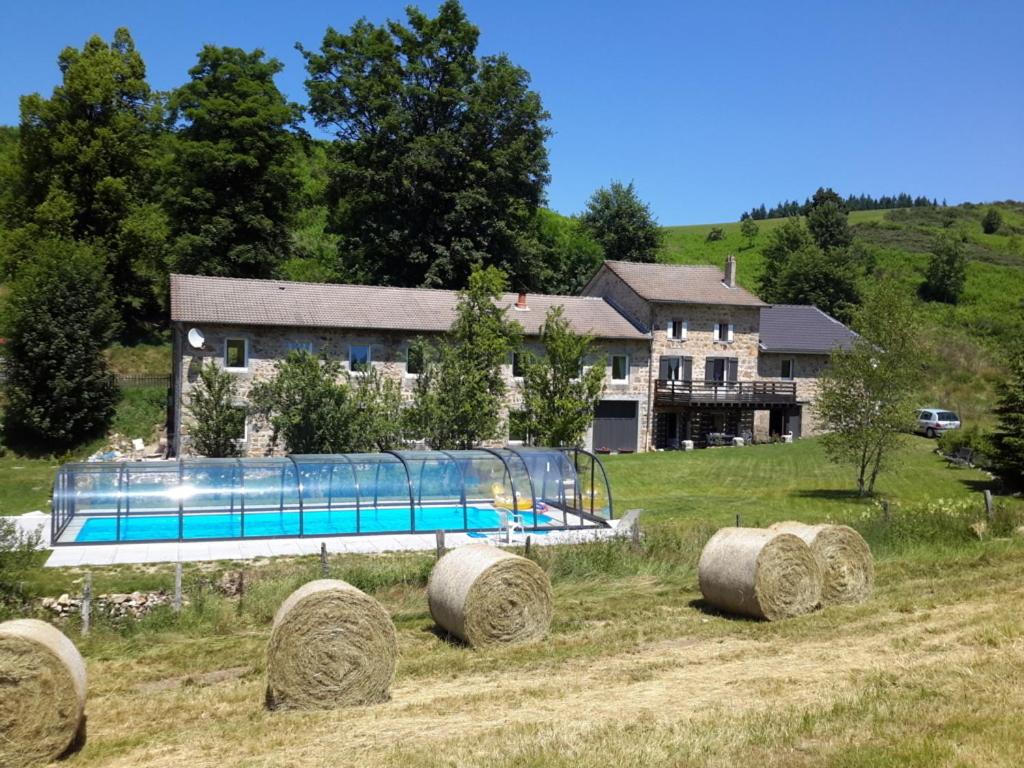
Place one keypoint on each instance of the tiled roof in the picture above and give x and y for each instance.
(234, 301)
(681, 283)
(802, 329)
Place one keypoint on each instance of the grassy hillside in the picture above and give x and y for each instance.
(966, 340)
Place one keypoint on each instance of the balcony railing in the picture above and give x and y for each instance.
(672, 392)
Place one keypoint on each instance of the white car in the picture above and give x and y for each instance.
(932, 422)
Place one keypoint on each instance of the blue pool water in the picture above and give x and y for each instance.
(314, 523)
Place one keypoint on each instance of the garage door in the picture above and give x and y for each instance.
(615, 425)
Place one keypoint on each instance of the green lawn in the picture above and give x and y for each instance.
(767, 483)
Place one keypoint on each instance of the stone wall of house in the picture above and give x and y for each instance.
(613, 289)
(267, 346)
(700, 342)
(807, 371)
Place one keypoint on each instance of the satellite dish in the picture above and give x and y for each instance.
(196, 338)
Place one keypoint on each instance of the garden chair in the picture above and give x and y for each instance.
(961, 457)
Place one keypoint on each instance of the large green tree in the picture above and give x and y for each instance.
(234, 178)
(461, 393)
(827, 220)
(439, 162)
(798, 271)
(571, 255)
(622, 223)
(867, 392)
(559, 393)
(87, 167)
(58, 319)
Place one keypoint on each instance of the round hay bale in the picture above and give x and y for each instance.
(484, 595)
(42, 705)
(331, 646)
(759, 573)
(847, 568)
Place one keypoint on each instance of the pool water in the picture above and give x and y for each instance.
(314, 523)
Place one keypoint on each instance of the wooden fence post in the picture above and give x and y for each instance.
(324, 571)
(439, 540)
(177, 587)
(526, 552)
(990, 511)
(885, 510)
(86, 603)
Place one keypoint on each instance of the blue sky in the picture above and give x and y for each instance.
(709, 107)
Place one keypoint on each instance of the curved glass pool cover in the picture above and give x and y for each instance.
(329, 495)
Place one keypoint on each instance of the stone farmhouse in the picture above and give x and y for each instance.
(689, 354)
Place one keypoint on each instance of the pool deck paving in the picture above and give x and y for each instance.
(192, 551)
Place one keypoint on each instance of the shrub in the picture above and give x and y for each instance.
(217, 422)
(992, 221)
(58, 319)
(716, 233)
(969, 437)
(17, 551)
(946, 274)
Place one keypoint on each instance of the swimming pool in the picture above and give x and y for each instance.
(314, 522)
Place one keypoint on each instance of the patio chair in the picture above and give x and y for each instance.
(961, 457)
(509, 522)
(138, 448)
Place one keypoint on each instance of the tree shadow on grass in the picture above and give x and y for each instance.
(832, 494)
(979, 485)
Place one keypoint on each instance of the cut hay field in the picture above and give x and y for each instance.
(636, 671)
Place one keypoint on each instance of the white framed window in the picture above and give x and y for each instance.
(517, 365)
(677, 329)
(359, 358)
(300, 346)
(788, 368)
(724, 332)
(620, 369)
(236, 354)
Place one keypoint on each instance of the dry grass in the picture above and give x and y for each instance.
(929, 672)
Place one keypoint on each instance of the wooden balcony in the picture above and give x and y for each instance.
(746, 393)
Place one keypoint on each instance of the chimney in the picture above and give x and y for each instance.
(521, 301)
(730, 271)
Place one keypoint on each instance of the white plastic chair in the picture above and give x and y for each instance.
(510, 522)
(138, 448)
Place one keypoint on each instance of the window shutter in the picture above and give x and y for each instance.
(670, 327)
(730, 332)
(687, 369)
(734, 367)
(663, 368)
(709, 369)
(685, 329)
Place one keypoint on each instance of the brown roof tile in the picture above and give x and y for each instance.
(234, 301)
(681, 283)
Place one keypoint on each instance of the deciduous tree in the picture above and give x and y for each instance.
(460, 396)
(439, 162)
(826, 220)
(622, 224)
(234, 178)
(58, 319)
(867, 392)
(88, 166)
(559, 394)
(218, 422)
(946, 274)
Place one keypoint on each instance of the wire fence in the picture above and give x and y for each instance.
(136, 380)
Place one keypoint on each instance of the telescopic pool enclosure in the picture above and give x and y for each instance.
(540, 489)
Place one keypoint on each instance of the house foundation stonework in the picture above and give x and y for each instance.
(688, 353)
